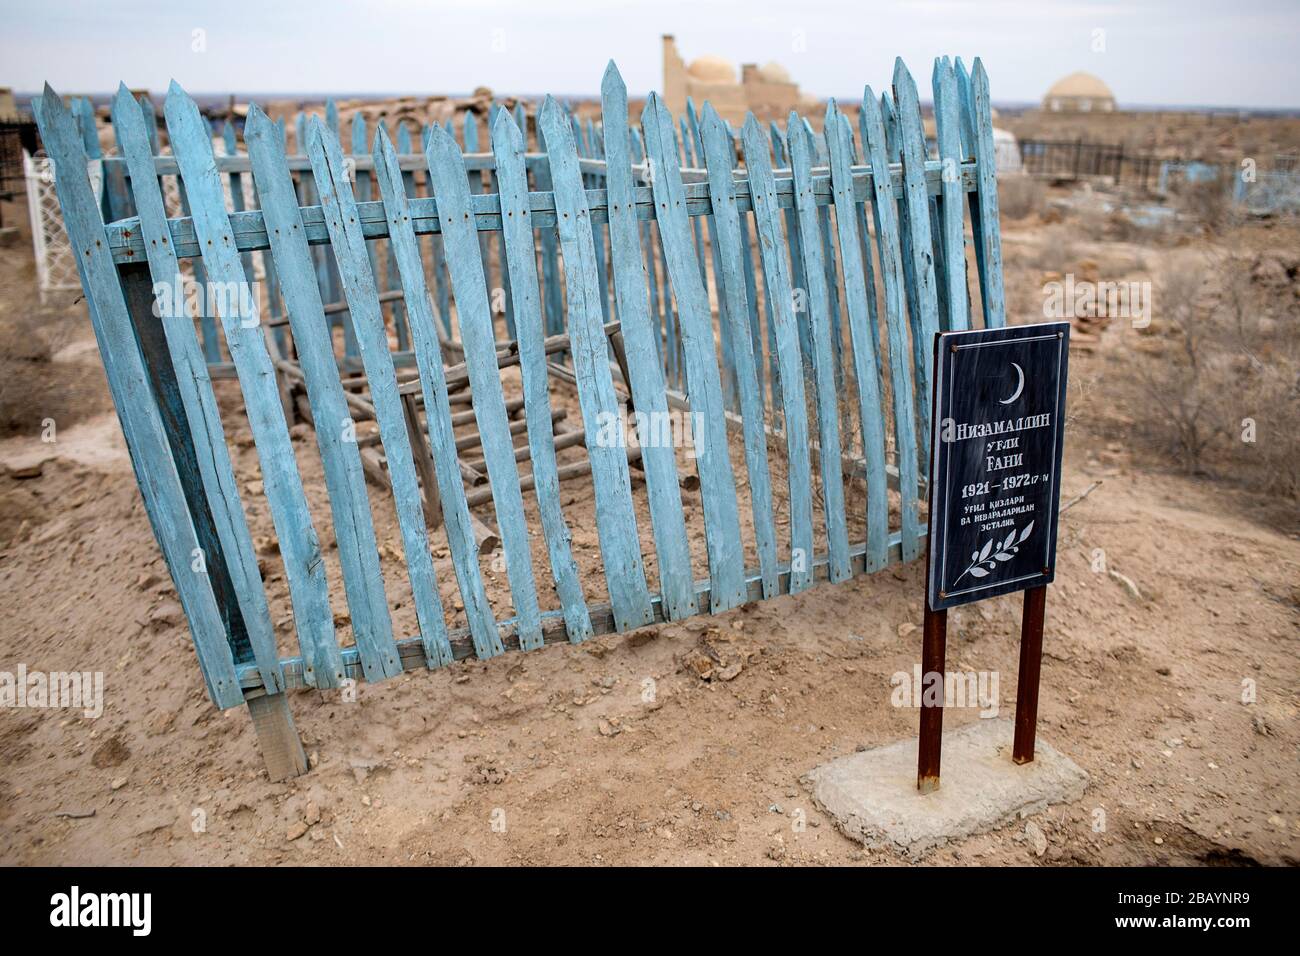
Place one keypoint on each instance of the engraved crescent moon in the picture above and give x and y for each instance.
(1020, 387)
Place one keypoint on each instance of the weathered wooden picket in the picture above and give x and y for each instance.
(614, 248)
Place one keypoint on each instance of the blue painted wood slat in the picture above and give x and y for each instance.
(703, 380)
(465, 264)
(925, 321)
(200, 405)
(776, 268)
(521, 263)
(639, 337)
(354, 268)
(151, 457)
(299, 544)
(986, 173)
(433, 383)
(615, 518)
(872, 130)
(863, 342)
(731, 251)
(802, 157)
(354, 531)
(952, 235)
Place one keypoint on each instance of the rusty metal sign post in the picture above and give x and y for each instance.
(996, 443)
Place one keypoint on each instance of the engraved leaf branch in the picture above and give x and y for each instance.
(986, 558)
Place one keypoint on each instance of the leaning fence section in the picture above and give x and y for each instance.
(463, 291)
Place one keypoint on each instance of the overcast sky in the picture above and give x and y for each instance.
(1193, 52)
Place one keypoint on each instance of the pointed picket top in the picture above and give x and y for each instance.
(793, 128)
(442, 144)
(754, 140)
(382, 147)
(179, 107)
(505, 127)
(709, 118)
(902, 77)
(403, 138)
(174, 92)
(889, 119)
(121, 99)
(809, 136)
(150, 114)
(964, 96)
(612, 81)
(906, 98)
(85, 113)
(552, 116)
(47, 98)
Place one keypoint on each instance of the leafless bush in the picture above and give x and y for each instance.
(1220, 372)
(1019, 196)
(1209, 202)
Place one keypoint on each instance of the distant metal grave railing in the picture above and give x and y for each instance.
(786, 236)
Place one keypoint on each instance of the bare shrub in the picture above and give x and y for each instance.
(1207, 202)
(1184, 413)
(1060, 250)
(1220, 374)
(1019, 196)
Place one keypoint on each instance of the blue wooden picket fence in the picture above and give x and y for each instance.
(780, 284)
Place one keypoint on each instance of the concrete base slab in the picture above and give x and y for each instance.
(872, 795)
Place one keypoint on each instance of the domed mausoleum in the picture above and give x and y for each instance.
(766, 90)
(1079, 93)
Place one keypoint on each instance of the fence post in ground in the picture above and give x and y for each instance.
(277, 736)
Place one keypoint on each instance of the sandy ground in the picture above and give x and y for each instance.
(631, 749)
